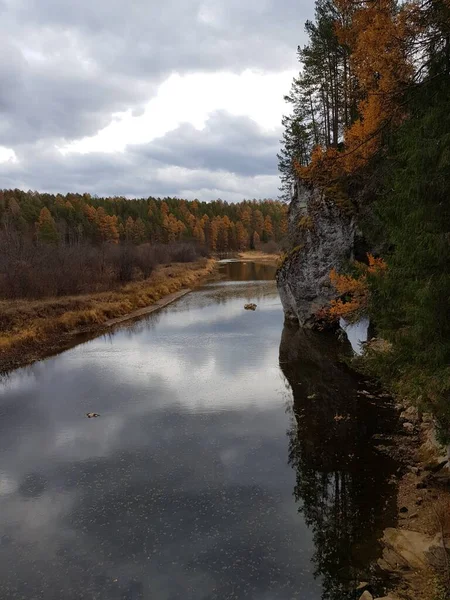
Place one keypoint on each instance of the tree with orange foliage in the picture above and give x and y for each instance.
(198, 232)
(46, 230)
(378, 37)
(174, 227)
(353, 291)
(213, 234)
(241, 236)
(268, 229)
(107, 226)
(352, 85)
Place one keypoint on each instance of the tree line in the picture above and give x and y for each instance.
(73, 218)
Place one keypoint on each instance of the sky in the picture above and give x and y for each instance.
(145, 98)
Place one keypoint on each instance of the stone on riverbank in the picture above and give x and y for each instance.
(408, 550)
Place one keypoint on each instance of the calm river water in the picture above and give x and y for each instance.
(231, 460)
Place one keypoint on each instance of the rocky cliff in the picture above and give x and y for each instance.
(321, 237)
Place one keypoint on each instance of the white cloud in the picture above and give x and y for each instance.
(192, 99)
(7, 155)
(102, 81)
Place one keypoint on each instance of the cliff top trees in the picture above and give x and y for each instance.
(322, 97)
(361, 59)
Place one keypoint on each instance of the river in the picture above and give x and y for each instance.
(232, 459)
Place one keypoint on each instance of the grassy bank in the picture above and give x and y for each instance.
(260, 257)
(33, 329)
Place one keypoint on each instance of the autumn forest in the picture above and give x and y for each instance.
(76, 218)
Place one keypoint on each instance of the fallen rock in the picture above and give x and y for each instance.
(408, 427)
(366, 596)
(363, 585)
(406, 550)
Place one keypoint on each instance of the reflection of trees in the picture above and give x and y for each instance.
(249, 271)
(342, 484)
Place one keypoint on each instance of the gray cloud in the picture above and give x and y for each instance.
(227, 143)
(230, 158)
(69, 66)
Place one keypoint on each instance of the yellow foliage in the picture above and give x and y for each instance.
(353, 291)
(378, 35)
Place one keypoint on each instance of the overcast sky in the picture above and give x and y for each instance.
(146, 97)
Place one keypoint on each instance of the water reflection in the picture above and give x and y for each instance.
(342, 484)
(248, 271)
(180, 489)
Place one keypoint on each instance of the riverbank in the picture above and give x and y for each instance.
(32, 330)
(260, 257)
(416, 552)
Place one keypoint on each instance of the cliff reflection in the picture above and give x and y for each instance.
(342, 484)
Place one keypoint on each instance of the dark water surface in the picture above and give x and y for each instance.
(224, 465)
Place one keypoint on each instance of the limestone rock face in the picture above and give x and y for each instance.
(321, 238)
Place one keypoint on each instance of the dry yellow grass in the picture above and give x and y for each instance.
(263, 257)
(30, 330)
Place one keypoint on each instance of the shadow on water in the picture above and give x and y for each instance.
(343, 486)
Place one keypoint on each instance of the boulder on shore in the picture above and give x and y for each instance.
(408, 550)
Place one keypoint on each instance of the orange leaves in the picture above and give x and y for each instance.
(268, 227)
(107, 226)
(46, 230)
(354, 296)
(90, 212)
(242, 236)
(376, 265)
(173, 227)
(378, 34)
(353, 290)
